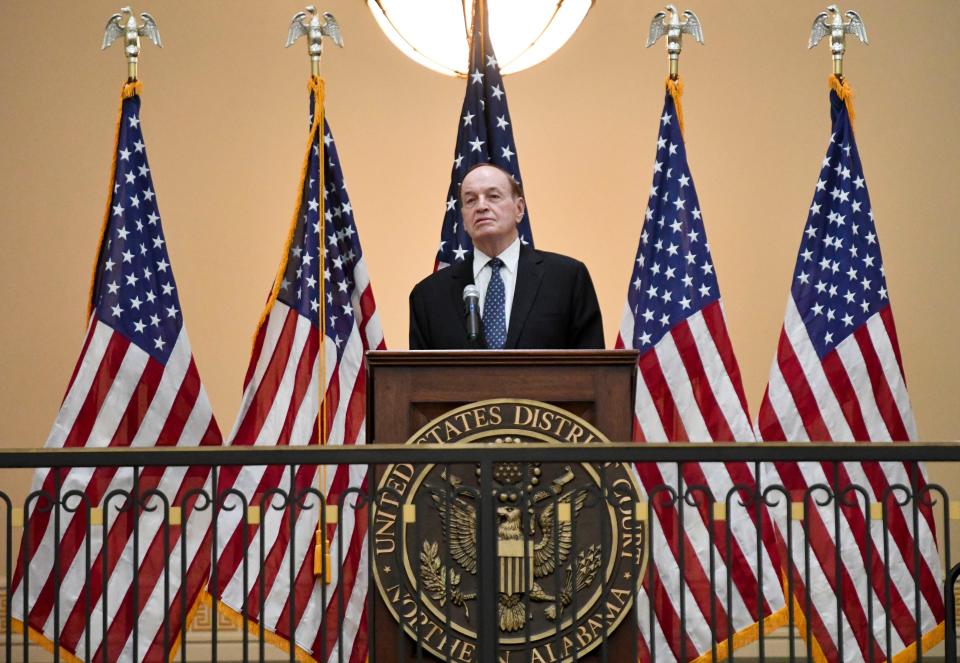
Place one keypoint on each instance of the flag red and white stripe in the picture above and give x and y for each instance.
(838, 376)
(135, 385)
(689, 389)
(281, 405)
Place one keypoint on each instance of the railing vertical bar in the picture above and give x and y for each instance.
(886, 575)
(104, 576)
(261, 576)
(341, 610)
(711, 546)
(487, 628)
(837, 558)
(417, 595)
(324, 571)
(558, 605)
(88, 531)
(57, 579)
(871, 657)
(788, 598)
(807, 502)
(915, 513)
(449, 496)
(525, 521)
(759, 509)
(635, 577)
(949, 597)
(574, 568)
(293, 506)
(245, 570)
(166, 574)
(370, 497)
(681, 561)
(728, 541)
(651, 565)
(135, 516)
(26, 578)
(8, 573)
(214, 590)
(950, 606)
(184, 607)
(605, 535)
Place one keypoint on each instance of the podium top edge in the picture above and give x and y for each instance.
(502, 357)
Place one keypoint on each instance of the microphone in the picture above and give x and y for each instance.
(471, 303)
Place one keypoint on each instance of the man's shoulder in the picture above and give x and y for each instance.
(557, 260)
(434, 282)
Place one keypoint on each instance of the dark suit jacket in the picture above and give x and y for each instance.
(554, 306)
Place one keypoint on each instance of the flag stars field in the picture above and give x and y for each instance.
(840, 202)
(484, 135)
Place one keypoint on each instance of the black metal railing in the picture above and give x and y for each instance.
(473, 553)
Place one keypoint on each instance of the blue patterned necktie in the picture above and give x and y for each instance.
(494, 319)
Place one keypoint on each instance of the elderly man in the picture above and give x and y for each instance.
(528, 298)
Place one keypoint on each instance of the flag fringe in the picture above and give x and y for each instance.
(675, 88)
(128, 90)
(845, 92)
(43, 641)
(315, 86)
(255, 629)
(191, 614)
(747, 636)
(47, 644)
(928, 641)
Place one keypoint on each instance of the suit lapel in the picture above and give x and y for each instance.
(461, 274)
(529, 275)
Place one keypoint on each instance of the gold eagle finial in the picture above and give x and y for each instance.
(831, 23)
(307, 24)
(669, 23)
(124, 24)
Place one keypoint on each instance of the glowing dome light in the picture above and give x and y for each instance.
(435, 33)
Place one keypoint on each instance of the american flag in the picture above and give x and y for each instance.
(323, 274)
(689, 389)
(838, 376)
(135, 385)
(484, 135)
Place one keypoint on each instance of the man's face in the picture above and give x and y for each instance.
(490, 210)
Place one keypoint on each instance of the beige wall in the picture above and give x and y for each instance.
(224, 118)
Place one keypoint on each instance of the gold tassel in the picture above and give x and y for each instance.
(321, 556)
(675, 88)
(842, 87)
(131, 88)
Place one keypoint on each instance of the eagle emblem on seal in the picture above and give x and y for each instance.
(524, 559)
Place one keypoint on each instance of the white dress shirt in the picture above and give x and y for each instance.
(482, 272)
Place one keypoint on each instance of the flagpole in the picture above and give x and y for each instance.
(321, 553)
(308, 24)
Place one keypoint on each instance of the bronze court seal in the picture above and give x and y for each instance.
(570, 543)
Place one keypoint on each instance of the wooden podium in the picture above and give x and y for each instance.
(406, 390)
